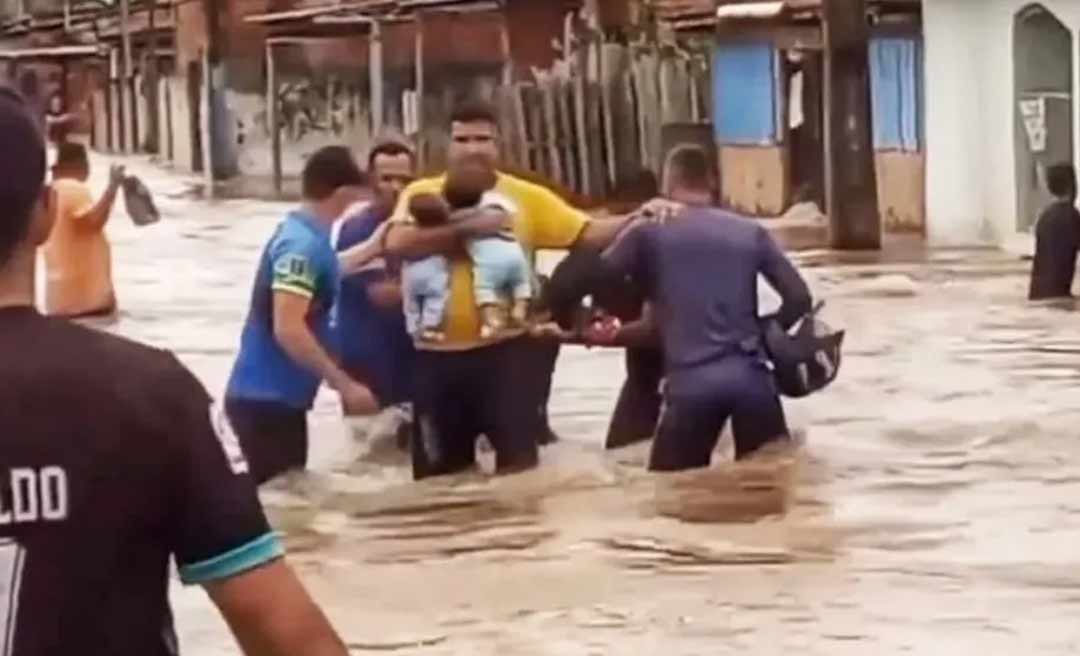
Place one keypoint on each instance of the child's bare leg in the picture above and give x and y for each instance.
(433, 313)
(432, 335)
(493, 322)
(522, 293)
(519, 312)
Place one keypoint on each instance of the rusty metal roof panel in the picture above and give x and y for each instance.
(700, 14)
(752, 10)
(359, 11)
(807, 5)
(675, 9)
(686, 15)
(58, 52)
(304, 13)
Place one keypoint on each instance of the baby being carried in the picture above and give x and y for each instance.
(502, 278)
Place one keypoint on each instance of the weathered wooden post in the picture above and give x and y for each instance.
(581, 81)
(127, 86)
(504, 48)
(420, 141)
(375, 75)
(273, 122)
(206, 125)
(151, 79)
(850, 176)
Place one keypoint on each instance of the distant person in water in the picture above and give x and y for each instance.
(1057, 238)
(78, 261)
(59, 123)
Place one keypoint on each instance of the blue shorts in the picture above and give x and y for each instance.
(698, 403)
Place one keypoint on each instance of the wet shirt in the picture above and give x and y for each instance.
(1057, 241)
(107, 472)
(543, 220)
(700, 270)
(78, 261)
(297, 260)
(373, 340)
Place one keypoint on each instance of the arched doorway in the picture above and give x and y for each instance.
(1042, 61)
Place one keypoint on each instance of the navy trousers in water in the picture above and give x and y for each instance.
(698, 402)
(638, 409)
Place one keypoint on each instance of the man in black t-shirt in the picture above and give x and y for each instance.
(112, 460)
(1057, 238)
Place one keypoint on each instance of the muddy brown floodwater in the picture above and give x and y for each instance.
(933, 509)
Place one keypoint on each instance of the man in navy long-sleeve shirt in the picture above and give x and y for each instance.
(700, 272)
(375, 346)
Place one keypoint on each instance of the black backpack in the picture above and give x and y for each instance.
(806, 359)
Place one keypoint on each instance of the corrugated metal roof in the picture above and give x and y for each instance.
(696, 14)
(59, 52)
(85, 16)
(686, 15)
(770, 9)
(806, 5)
(365, 7)
(668, 10)
(311, 12)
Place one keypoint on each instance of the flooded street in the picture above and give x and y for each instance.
(934, 509)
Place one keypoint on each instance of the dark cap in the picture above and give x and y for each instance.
(22, 168)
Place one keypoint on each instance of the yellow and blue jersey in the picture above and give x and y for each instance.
(298, 260)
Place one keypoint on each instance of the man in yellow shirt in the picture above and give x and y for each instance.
(467, 386)
(78, 260)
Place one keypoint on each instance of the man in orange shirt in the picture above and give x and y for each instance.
(78, 262)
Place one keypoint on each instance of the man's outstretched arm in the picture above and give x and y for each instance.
(642, 332)
(782, 275)
(602, 233)
(98, 214)
(403, 239)
(271, 614)
(292, 333)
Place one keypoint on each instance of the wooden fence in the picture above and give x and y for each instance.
(594, 124)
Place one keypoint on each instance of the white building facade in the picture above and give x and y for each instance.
(1001, 105)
